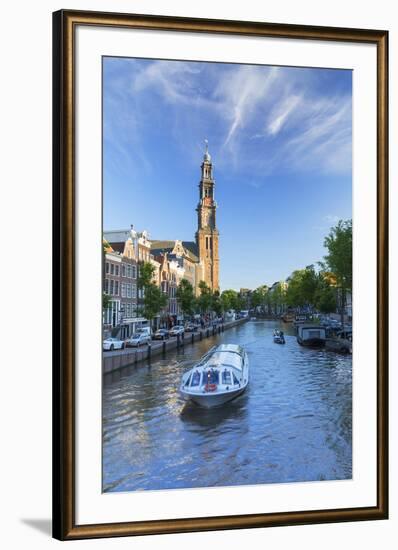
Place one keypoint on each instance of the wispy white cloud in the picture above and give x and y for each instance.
(175, 82)
(241, 93)
(281, 113)
(324, 135)
(256, 117)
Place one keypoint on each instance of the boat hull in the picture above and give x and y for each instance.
(208, 400)
(311, 342)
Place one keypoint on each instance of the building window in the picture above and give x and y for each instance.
(116, 288)
(106, 286)
(133, 271)
(133, 290)
(128, 290)
(112, 269)
(117, 270)
(127, 308)
(111, 285)
(123, 270)
(107, 267)
(123, 290)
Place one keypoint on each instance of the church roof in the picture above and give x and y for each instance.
(117, 236)
(190, 247)
(162, 246)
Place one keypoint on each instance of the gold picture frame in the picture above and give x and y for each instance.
(65, 24)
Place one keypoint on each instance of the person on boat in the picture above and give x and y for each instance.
(282, 336)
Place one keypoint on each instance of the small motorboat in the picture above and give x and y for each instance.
(220, 376)
(279, 337)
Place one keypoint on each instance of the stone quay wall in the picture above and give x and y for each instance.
(114, 360)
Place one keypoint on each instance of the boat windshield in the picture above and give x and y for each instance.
(226, 377)
(211, 376)
(195, 378)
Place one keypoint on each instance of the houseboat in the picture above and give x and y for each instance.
(311, 335)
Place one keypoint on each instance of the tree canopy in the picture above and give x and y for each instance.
(205, 298)
(339, 257)
(186, 297)
(153, 297)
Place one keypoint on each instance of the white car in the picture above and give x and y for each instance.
(177, 329)
(112, 343)
(137, 339)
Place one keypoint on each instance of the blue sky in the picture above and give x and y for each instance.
(280, 141)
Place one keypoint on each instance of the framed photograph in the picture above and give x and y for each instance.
(220, 274)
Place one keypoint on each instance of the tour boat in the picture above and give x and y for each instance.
(311, 335)
(221, 375)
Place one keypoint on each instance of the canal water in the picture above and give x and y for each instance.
(292, 424)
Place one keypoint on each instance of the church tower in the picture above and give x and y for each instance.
(207, 233)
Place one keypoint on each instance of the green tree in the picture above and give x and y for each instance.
(302, 287)
(216, 304)
(153, 298)
(339, 258)
(294, 293)
(309, 285)
(145, 274)
(259, 297)
(106, 301)
(325, 300)
(205, 298)
(186, 297)
(229, 299)
(278, 296)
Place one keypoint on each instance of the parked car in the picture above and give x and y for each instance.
(143, 330)
(137, 339)
(109, 344)
(191, 327)
(176, 330)
(161, 334)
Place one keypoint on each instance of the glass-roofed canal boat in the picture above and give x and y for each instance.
(221, 375)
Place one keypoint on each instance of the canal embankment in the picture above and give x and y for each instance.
(115, 360)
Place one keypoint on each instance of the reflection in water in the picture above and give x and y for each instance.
(292, 424)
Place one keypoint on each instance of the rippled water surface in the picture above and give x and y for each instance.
(293, 423)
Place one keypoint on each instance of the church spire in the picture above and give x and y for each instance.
(207, 157)
(207, 233)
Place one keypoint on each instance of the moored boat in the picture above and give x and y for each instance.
(220, 376)
(311, 335)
